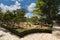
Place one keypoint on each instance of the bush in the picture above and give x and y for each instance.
(30, 31)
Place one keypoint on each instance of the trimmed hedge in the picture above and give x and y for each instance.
(27, 31)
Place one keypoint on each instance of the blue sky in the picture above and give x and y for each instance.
(16, 4)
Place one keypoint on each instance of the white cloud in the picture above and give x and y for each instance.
(11, 7)
(31, 7)
(16, 0)
(28, 15)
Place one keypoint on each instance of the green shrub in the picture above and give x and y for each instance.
(30, 31)
(24, 32)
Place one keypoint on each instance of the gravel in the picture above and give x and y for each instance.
(35, 36)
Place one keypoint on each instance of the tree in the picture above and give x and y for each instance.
(48, 9)
(34, 20)
(19, 16)
(1, 16)
(7, 18)
(58, 19)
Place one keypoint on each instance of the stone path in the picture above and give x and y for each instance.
(40, 36)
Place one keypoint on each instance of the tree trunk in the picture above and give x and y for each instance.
(41, 24)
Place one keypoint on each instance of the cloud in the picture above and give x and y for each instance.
(11, 7)
(28, 14)
(31, 7)
(16, 0)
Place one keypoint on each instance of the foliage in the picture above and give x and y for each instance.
(34, 20)
(58, 19)
(11, 18)
(47, 9)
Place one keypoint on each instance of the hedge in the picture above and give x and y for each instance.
(24, 32)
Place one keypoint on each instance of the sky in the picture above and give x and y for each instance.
(17, 4)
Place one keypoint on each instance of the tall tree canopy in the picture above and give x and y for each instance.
(11, 18)
(47, 8)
